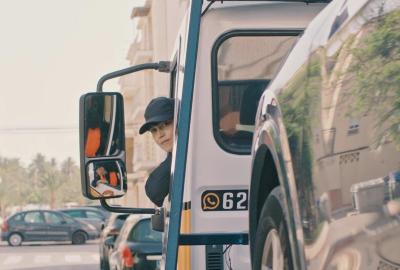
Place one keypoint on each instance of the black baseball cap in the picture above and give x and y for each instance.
(160, 109)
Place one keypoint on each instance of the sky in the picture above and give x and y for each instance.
(52, 52)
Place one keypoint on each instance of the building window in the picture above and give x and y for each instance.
(354, 126)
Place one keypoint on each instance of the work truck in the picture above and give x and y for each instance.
(279, 162)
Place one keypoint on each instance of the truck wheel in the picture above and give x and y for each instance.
(15, 239)
(78, 238)
(272, 246)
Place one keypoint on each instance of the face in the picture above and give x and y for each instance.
(100, 171)
(163, 135)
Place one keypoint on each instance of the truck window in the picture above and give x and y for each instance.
(243, 64)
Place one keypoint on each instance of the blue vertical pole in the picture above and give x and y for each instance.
(178, 181)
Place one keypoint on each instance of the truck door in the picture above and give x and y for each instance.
(237, 58)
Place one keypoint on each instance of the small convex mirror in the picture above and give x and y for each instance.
(102, 145)
(106, 178)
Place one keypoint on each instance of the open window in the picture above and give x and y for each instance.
(243, 64)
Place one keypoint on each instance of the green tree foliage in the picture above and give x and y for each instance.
(377, 73)
(12, 175)
(42, 182)
(35, 170)
(71, 189)
(51, 180)
(299, 103)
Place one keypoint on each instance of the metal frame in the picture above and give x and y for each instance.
(127, 210)
(162, 66)
(178, 178)
(214, 239)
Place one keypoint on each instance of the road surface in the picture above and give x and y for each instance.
(50, 255)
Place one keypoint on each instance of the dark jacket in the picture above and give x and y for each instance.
(157, 185)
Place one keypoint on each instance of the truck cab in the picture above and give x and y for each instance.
(226, 54)
(240, 50)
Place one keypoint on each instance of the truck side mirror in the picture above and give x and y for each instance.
(102, 145)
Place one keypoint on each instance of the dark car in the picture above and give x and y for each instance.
(112, 229)
(105, 212)
(137, 247)
(45, 225)
(326, 146)
(90, 215)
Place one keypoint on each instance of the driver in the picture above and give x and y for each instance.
(159, 116)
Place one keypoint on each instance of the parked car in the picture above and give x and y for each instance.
(88, 214)
(105, 212)
(45, 225)
(112, 229)
(137, 247)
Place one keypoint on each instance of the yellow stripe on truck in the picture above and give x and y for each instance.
(184, 251)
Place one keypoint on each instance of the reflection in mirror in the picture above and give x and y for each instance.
(106, 179)
(104, 125)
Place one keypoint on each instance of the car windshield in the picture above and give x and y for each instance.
(94, 215)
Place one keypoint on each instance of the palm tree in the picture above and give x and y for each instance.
(71, 189)
(36, 168)
(51, 179)
(68, 168)
(12, 176)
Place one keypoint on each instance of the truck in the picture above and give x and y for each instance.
(267, 146)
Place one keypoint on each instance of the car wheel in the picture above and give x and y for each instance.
(272, 247)
(15, 239)
(78, 238)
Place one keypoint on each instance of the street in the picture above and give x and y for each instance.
(50, 255)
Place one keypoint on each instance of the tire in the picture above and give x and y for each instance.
(78, 238)
(14, 239)
(272, 246)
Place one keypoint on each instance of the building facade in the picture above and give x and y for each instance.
(157, 24)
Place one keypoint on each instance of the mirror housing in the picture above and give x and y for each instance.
(102, 145)
(107, 143)
(158, 220)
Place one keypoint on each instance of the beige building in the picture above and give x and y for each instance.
(157, 24)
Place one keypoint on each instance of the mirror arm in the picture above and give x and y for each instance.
(162, 66)
(127, 210)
